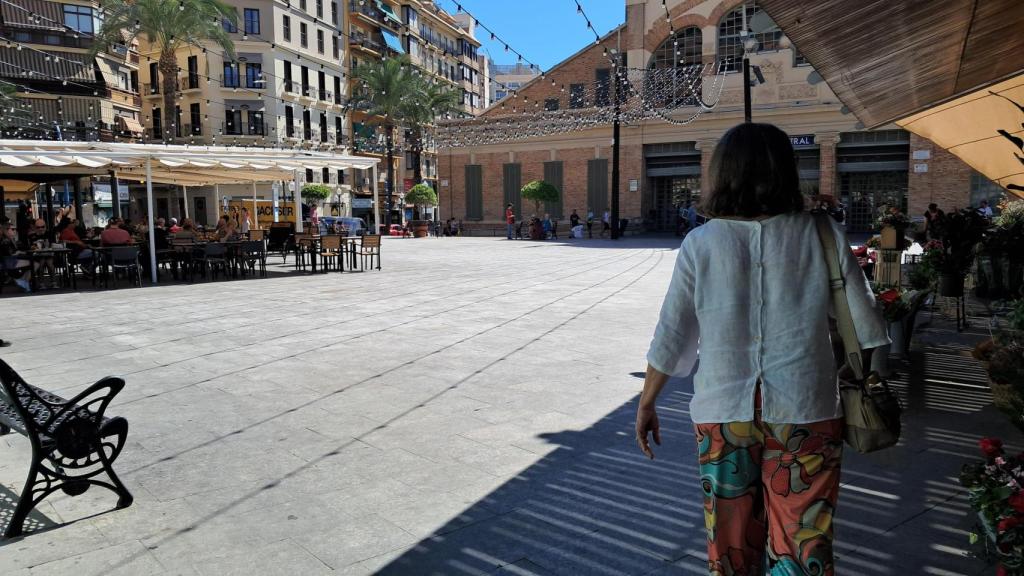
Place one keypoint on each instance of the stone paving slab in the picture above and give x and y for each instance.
(466, 410)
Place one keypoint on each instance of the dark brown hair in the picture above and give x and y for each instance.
(753, 173)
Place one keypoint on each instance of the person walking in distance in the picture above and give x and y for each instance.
(510, 220)
(590, 223)
(574, 221)
(606, 223)
(766, 403)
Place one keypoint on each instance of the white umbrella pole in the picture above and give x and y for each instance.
(255, 209)
(275, 199)
(298, 204)
(376, 201)
(152, 223)
(184, 196)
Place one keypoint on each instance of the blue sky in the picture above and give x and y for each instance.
(544, 31)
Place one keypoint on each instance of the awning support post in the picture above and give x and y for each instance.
(184, 196)
(298, 204)
(152, 223)
(376, 200)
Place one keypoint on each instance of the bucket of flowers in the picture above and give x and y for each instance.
(899, 308)
(995, 488)
(892, 224)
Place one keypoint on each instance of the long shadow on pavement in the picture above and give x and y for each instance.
(594, 505)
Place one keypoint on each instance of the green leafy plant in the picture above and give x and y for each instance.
(168, 26)
(539, 191)
(383, 91)
(315, 193)
(427, 101)
(959, 233)
(421, 196)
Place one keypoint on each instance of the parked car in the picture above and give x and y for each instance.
(343, 225)
(396, 230)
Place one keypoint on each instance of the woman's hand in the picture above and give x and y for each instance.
(647, 422)
(646, 415)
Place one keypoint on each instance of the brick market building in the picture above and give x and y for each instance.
(664, 164)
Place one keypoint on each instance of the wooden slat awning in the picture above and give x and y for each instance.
(889, 59)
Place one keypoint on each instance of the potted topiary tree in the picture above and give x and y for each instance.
(421, 196)
(539, 191)
(314, 194)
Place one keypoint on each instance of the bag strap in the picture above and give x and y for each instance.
(844, 318)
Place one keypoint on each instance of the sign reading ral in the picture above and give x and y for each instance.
(802, 140)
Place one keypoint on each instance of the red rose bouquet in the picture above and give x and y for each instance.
(996, 492)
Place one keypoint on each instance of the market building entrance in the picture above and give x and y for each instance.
(673, 173)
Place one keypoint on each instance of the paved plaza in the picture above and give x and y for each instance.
(466, 410)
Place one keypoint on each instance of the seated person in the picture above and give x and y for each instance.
(80, 250)
(174, 228)
(160, 235)
(186, 232)
(227, 230)
(114, 235)
(17, 268)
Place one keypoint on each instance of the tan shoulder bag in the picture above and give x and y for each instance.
(871, 409)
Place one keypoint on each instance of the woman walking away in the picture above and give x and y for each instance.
(751, 287)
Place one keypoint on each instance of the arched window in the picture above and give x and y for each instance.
(682, 50)
(747, 16)
(681, 53)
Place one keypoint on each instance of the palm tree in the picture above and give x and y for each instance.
(429, 101)
(168, 25)
(385, 86)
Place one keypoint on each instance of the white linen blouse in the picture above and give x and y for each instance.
(754, 297)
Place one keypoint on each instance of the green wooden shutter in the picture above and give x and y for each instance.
(553, 176)
(597, 186)
(512, 181)
(474, 192)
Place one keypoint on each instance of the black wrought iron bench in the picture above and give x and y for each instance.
(72, 441)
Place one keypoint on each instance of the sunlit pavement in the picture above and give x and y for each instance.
(466, 410)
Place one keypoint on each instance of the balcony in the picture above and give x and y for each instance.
(245, 129)
(369, 12)
(362, 41)
(47, 37)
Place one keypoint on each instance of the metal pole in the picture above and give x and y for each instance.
(184, 196)
(276, 196)
(77, 191)
(255, 210)
(49, 211)
(115, 198)
(298, 204)
(746, 89)
(615, 153)
(3, 204)
(390, 184)
(376, 199)
(152, 224)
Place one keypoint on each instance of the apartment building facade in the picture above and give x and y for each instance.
(506, 78)
(57, 90)
(286, 86)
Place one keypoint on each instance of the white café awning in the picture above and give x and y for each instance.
(171, 164)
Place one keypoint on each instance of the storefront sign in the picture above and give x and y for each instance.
(802, 140)
(362, 203)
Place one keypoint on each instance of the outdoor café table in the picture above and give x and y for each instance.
(351, 245)
(60, 265)
(309, 244)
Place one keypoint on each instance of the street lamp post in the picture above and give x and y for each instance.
(749, 47)
(615, 145)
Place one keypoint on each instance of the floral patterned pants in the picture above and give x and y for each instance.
(770, 487)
